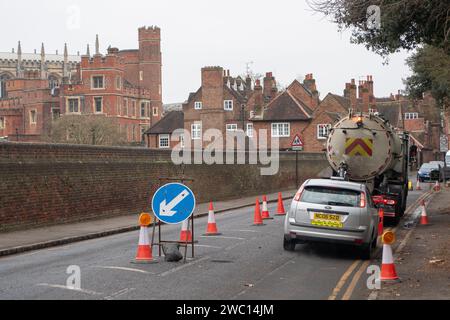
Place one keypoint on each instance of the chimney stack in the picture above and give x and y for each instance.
(350, 93)
(269, 84)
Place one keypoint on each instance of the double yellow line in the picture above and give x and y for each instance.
(363, 265)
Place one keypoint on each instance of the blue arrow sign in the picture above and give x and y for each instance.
(173, 203)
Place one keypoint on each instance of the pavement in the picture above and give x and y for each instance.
(423, 263)
(40, 238)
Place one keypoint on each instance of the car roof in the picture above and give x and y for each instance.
(335, 184)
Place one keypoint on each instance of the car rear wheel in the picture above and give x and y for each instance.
(367, 250)
(289, 245)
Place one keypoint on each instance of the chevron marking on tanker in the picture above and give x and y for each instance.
(359, 147)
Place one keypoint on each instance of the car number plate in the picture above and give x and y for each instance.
(327, 220)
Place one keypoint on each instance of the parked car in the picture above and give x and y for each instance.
(334, 211)
(428, 172)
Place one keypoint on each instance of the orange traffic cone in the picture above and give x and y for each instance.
(265, 211)
(258, 218)
(281, 211)
(423, 216)
(211, 230)
(437, 186)
(381, 223)
(388, 272)
(418, 187)
(186, 234)
(144, 252)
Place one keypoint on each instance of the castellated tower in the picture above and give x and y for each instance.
(150, 63)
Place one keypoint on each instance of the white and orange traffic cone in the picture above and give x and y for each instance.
(437, 186)
(418, 187)
(211, 229)
(423, 216)
(280, 210)
(388, 272)
(258, 221)
(265, 211)
(381, 223)
(186, 234)
(144, 252)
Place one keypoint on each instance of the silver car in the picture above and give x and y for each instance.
(326, 210)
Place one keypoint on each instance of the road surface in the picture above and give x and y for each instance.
(246, 262)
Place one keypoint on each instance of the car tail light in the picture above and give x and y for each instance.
(299, 193)
(362, 203)
(390, 202)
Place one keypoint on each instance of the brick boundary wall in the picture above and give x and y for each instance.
(44, 184)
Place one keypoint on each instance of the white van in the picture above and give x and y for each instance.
(447, 158)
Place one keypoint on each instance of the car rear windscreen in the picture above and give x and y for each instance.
(331, 196)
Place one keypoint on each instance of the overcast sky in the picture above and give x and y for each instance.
(282, 36)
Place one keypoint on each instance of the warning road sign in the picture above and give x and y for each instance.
(297, 144)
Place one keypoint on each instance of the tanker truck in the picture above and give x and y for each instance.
(366, 148)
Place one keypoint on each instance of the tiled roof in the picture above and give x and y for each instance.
(172, 121)
(391, 112)
(286, 108)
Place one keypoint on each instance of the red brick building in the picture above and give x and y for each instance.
(124, 85)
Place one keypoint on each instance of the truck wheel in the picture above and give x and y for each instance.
(289, 245)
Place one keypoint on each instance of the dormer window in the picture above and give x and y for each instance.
(411, 115)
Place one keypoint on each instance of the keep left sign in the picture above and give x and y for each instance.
(173, 203)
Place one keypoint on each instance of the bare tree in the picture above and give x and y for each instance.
(86, 129)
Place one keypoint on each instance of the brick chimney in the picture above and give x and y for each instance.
(310, 84)
(259, 97)
(364, 96)
(212, 87)
(269, 84)
(350, 93)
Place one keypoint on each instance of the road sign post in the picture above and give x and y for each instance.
(297, 145)
(174, 203)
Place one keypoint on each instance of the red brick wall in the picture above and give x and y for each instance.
(49, 184)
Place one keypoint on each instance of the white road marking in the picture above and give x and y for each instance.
(183, 266)
(124, 269)
(68, 288)
(222, 237)
(206, 246)
(251, 231)
(119, 293)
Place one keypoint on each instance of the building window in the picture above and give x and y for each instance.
(73, 105)
(323, 130)
(53, 83)
(164, 141)
(198, 105)
(372, 111)
(33, 117)
(232, 127)
(196, 131)
(411, 115)
(118, 83)
(55, 114)
(281, 130)
(125, 107)
(2, 123)
(250, 130)
(228, 105)
(143, 108)
(155, 111)
(133, 108)
(3, 79)
(98, 82)
(98, 104)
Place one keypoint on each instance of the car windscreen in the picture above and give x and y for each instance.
(331, 196)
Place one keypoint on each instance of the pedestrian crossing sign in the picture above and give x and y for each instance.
(297, 144)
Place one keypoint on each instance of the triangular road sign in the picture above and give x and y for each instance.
(297, 143)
